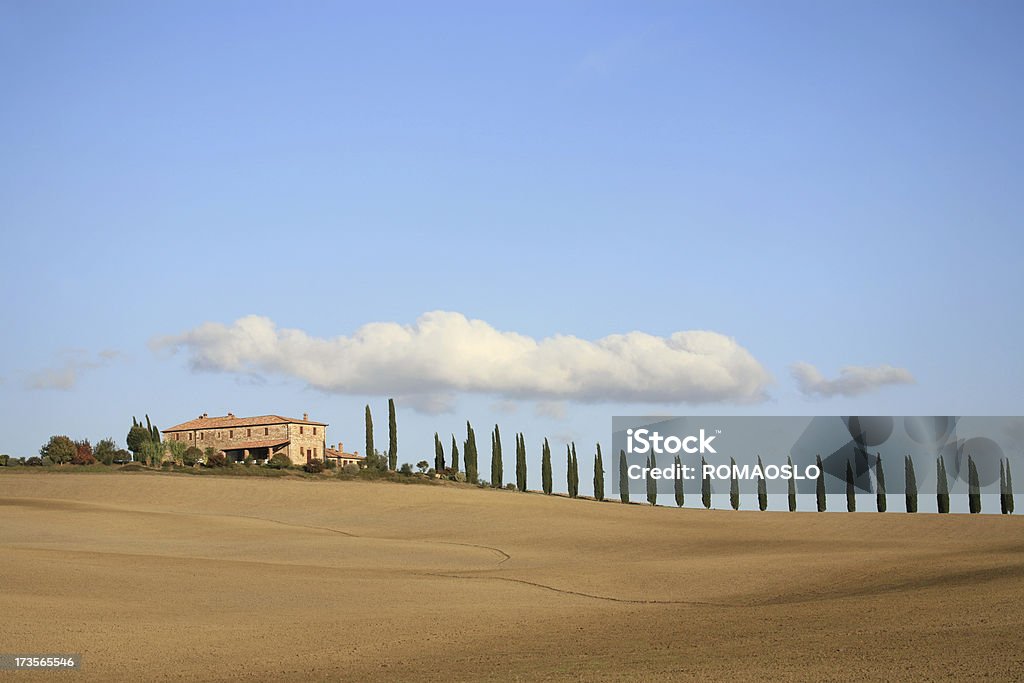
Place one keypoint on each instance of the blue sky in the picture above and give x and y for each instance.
(836, 184)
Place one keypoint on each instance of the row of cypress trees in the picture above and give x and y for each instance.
(1006, 502)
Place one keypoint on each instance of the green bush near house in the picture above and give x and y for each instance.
(280, 461)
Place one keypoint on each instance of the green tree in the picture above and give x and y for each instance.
(154, 433)
(734, 486)
(177, 449)
(521, 462)
(973, 487)
(762, 487)
(572, 471)
(152, 454)
(370, 450)
(392, 436)
(137, 436)
(623, 478)
(438, 454)
(819, 485)
(106, 451)
(705, 485)
(497, 467)
(455, 455)
(652, 484)
(677, 482)
(58, 450)
(791, 486)
(470, 452)
(545, 467)
(942, 486)
(879, 483)
(598, 475)
(1002, 489)
(192, 455)
(851, 492)
(911, 479)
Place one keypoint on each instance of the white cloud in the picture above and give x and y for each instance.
(852, 380)
(445, 353)
(65, 376)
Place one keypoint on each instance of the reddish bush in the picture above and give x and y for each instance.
(83, 454)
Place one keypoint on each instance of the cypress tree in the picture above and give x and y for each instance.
(370, 452)
(734, 486)
(438, 454)
(470, 455)
(973, 487)
(1002, 489)
(652, 485)
(392, 436)
(520, 462)
(497, 467)
(455, 455)
(545, 467)
(911, 479)
(677, 483)
(762, 488)
(792, 486)
(1009, 489)
(705, 485)
(851, 494)
(942, 487)
(880, 483)
(571, 471)
(598, 475)
(819, 485)
(623, 478)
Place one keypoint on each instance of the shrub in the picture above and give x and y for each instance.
(177, 449)
(168, 465)
(351, 469)
(5, 460)
(105, 451)
(217, 459)
(83, 457)
(405, 469)
(314, 466)
(191, 456)
(280, 461)
(249, 460)
(510, 486)
(422, 466)
(34, 461)
(330, 464)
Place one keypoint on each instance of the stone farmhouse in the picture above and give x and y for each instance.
(260, 437)
(344, 458)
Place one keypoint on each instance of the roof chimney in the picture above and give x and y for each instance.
(203, 415)
(230, 414)
(341, 447)
(305, 417)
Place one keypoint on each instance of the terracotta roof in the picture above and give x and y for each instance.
(232, 421)
(332, 453)
(255, 444)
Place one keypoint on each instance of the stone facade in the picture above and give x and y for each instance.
(259, 437)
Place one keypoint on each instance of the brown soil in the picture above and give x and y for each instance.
(171, 577)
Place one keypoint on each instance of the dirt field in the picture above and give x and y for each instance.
(171, 577)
